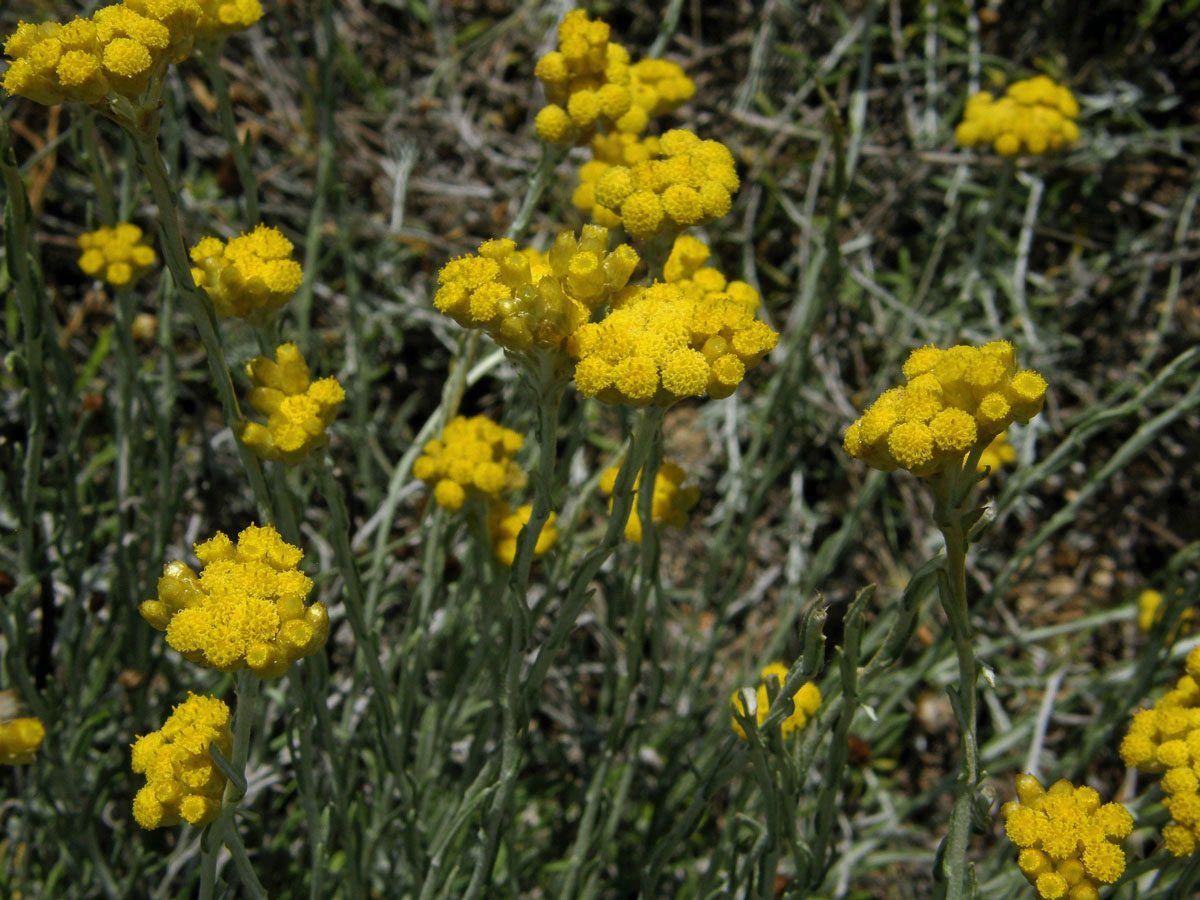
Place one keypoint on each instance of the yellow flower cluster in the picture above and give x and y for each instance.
(182, 781)
(20, 740)
(590, 83)
(221, 18)
(807, 701)
(250, 272)
(115, 254)
(671, 503)
(505, 524)
(298, 410)
(1035, 115)
(1069, 843)
(678, 180)
(681, 338)
(473, 457)
(997, 454)
(1150, 610)
(524, 299)
(1166, 739)
(245, 608)
(608, 150)
(116, 51)
(954, 401)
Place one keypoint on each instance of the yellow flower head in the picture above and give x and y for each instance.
(20, 740)
(807, 700)
(997, 454)
(298, 410)
(245, 608)
(252, 271)
(505, 524)
(677, 181)
(182, 781)
(221, 18)
(1067, 839)
(115, 254)
(473, 457)
(1150, 610)
(525, 299)
(671, 503)
(955, 401)
(1034, 116)
(587, 81)
(680, 338)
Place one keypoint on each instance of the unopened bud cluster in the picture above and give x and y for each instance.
(590, 84)
(249, 272)
(955, 401)
(526, 299)
(115, 254)
(1070, 844)
(246, 608)
(1165, 739)
(182, 781)
(298, 410)
(807, 700)
(671, 502)
(1034, 116)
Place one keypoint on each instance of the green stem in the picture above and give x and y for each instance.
(150, 161)
(211, 60)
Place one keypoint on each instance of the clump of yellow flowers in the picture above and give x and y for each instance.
(671, 502)
(1150, 610)
(118, 51)
(1070, 844)
(807, 701)
(525, 299)
(1035, 115)
(20, 739)
(115, 254)
(473, 457)
(590, 84)
(997, 454)
(677, 181)
(504, 527)
(1166, 739)
(246, 607)
(182, 782)
(249, 272)
(955, 402)
(686, 337)
(298, 410)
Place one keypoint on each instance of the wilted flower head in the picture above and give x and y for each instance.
(246, 607)
(182, 781)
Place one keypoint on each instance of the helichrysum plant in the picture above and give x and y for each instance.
(1070, 844)
(671, 503)
(528, 299)
(245, 609)
(182, 781)
(20, 740)
(1165, 740)
(997, 454)
(590, 84)
(115, 254)
(1150, 610)
(298, 409)
(247, 273)
(806, 700)
(504, 527)
(1034, 116)
(473, 457)
(221, 18)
